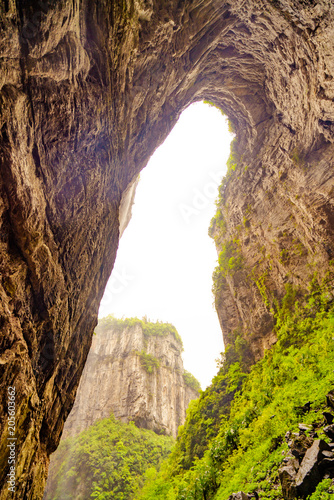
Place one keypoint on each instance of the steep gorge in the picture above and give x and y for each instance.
(88, 91)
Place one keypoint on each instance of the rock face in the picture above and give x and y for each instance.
(115, 380)
(88, 91)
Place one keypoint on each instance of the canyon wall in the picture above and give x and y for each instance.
(136, 376)
(88, 91)
(134, 370)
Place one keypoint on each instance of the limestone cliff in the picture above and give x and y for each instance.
(88, 91)
(136, 376)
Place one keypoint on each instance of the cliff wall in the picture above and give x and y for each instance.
(88, 91)
(136, 377)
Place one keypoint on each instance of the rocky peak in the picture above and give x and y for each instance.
(135, 371)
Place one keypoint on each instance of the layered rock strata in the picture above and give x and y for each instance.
(88, 91)
(136, 377)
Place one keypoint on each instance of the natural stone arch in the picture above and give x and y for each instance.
(88, 91)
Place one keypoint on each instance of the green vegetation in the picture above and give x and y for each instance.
(210, 103)
(295, 157)
(231, 125)
(218, 220)
(219, 281)
(233, 438)
(148, 361)
(108, 461)
(324, 491)
(149, 328)
(233, 159)
(230, 260)
(283, 256)
(191, 381)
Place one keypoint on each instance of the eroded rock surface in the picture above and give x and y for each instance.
(116, 381)
(88, 91)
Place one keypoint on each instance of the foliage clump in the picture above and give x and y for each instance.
(324, 491)
(108, 461)
(232, 161)
(213, 105)
(191, 381)
(230, 260)
(217, 222)
(149, 328)
(230, 123)
(148, 361)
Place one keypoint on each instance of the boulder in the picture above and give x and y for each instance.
(303, 409)
(328, 417)
(327, 454)
(329, 431)
(330, 399)
(238, 496)
(287, 475)
(304, 427)
(309, 474)
(326, 467)
(299, 446)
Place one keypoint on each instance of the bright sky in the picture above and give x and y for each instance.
(165, 258)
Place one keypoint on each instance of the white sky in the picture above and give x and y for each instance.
(165, 258)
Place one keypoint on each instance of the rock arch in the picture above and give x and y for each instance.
(88, 91)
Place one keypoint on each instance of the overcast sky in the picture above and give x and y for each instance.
(165, 258)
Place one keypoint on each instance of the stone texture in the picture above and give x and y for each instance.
(287, 475)
(278, 203)
(88, 91)
(330, 399)
(115, 381)
(328, 417)
(299, 445)
(238, 496)
(329, 431)
(308, 475)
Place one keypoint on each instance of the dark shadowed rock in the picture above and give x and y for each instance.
(328, 417)
(287, 475)
(309, 474)
(299, 445)
(254, 495)
(330, 399)
(329, 431)
(303, 409)
(326, 467)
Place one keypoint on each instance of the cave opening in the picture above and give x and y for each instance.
(164, 265)
(166, 258)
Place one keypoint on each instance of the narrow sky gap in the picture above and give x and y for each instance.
(165, 259)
